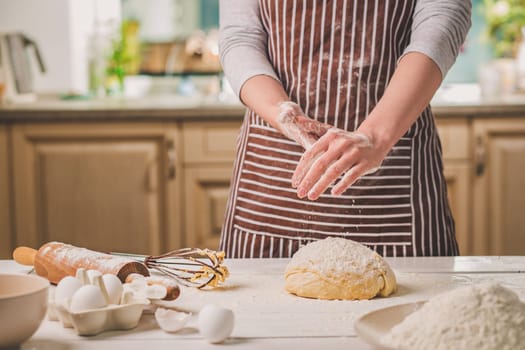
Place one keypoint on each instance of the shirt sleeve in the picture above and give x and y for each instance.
(439, 29)
(243, 42)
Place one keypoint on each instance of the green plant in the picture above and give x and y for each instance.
(125, 56)
(504, 19)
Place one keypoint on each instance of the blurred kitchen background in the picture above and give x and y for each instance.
(100, 47)
(116, 122)
(107, 47)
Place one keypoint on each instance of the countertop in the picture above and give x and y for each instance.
(268, 317)
(449, 102)
(148, 108)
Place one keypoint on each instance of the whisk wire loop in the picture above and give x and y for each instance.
(193, 267)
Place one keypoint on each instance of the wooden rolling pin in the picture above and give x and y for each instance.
(55, 260)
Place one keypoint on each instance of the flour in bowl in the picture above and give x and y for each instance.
(483, 317)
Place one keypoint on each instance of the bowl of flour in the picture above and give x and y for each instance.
(484, 316)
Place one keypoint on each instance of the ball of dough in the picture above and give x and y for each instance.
(338, 268)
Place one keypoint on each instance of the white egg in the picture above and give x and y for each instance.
(138, 284)
(215, 323)
(86, 298)
(128, 296)
(155, 291)
(113, 287)
(66, 288)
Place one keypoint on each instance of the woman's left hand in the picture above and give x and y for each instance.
(336, 153)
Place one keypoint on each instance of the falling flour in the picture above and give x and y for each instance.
(483, 317)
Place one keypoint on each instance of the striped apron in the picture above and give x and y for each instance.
(334, 58)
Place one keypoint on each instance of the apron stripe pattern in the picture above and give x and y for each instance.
(335, 59)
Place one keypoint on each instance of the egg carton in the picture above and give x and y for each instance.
(95, 321)
(92, 303)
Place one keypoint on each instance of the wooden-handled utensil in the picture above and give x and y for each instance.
(55, 261)
(24, 255)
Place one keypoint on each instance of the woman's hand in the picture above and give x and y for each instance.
(292, 122)
(355, 154)
(336, 153)
(330, 152)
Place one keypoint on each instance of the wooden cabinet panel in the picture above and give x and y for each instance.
(104, 187)
(6, 243)
(209, 152)
(206, 195)
(457, 176)
(499, 187)
(210, 142)
(455, 138)
(455, 142)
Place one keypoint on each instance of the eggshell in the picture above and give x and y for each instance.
(113, 287)
(86, 298)
(66, 288)
(171, 320)
(215, 323)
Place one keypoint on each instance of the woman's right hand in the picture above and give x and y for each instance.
(292, 122)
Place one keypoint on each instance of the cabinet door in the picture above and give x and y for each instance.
(206, 196)
(209, 151)
(499, 187)
(6, 244)
(210, 143)
(458, 187)
(106, 187)
(455, 140)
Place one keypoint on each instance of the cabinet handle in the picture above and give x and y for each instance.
(171, 154)
(479, 156)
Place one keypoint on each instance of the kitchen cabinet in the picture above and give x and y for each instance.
(455, 140)
(140, 177)
(206, 196)
(209, 151)
(457, 178)
(5, 212)
(499, 186)
(120, 186)
(104, 186)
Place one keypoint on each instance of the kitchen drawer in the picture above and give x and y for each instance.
(210, 142)
(455, 138)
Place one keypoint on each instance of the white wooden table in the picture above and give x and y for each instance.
(269, 318)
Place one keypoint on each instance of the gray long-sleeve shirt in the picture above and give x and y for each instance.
(438, 30)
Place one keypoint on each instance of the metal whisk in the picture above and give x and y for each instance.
(191, 267)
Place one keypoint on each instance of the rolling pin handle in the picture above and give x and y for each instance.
(25, 255)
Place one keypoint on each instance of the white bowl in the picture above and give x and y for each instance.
(23, 305)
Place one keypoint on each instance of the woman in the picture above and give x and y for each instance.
(339, 139)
